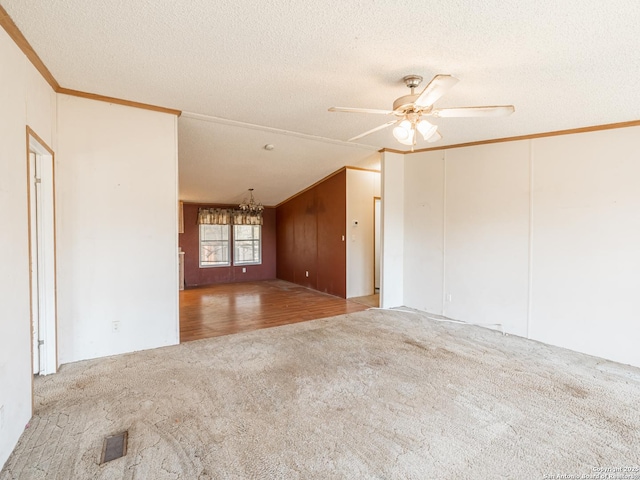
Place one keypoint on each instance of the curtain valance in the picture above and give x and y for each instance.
(214, 216)
(245, 218)
(228, 216)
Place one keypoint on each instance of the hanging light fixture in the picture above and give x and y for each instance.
(405, 131)
(409, 109)
(250, 205)
(249, 211)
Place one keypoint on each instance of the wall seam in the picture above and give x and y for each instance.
(176, 340)
(530, 259)
(444, 230)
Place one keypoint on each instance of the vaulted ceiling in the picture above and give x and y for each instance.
(250, 73)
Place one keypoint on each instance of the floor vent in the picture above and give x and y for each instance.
(114, 447)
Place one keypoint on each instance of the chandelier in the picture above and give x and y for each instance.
(250, 206)
(249, 211)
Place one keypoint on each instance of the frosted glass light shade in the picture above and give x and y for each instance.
(402, 131)
(426, 129)
(409, 139)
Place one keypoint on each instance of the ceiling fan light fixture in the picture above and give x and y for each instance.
(409, 140)
(402, 131)
(409, 110)
(426, 129)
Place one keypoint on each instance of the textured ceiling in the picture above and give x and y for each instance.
(281, 64)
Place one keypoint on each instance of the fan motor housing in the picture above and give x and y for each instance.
(404, 103)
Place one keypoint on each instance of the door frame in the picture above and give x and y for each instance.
(48, 328)
(375, 224)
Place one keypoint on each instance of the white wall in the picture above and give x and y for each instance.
(41, 106)
(116, 228)
(24, 100)
(586, 243)
(392, 268)
(424, 218)
(540, 235)
(487, 234)
(362, 187)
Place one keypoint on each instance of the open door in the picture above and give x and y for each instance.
(40, 174)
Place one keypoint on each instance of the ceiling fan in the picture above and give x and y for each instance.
(409, 111)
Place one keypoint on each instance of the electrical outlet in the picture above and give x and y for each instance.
(116, 325)
(449, 297)
(1, 417)
(306, 273)
(244, 269)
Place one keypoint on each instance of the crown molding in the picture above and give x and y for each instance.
(393, 150)
(19, 39)
(571, 131)
(118, 101)
(23, 44)
(360, 169)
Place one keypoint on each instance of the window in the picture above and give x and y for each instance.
(247, 245)
(214, 246)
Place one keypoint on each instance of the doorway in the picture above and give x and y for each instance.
(373, 300)
(376, 244)
(42, 262)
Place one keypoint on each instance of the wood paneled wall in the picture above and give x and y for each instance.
(196, 276)
(310, 230)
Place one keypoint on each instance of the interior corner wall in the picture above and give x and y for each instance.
(26, 99)
(116, 197)
(194, 275)
(362, 188)
(539, 235)
(392, 232)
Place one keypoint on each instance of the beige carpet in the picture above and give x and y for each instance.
(371, 395)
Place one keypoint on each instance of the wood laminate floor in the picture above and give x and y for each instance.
(218, 310)
(372, 301)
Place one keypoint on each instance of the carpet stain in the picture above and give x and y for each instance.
(437, 353)
(575, 391)
(413, 343)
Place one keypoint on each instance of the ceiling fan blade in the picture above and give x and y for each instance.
(435, 89)
(494, 111)
(360, 110)
(372, 130)
(435, 137)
